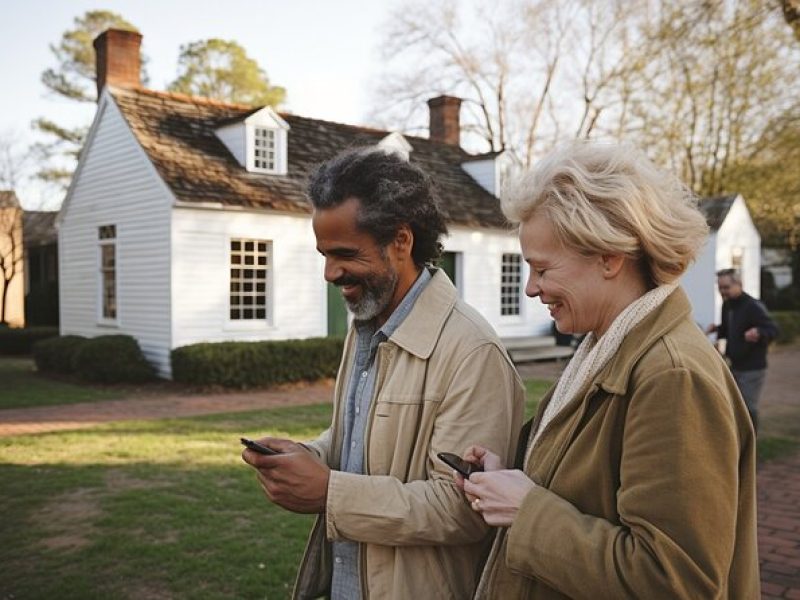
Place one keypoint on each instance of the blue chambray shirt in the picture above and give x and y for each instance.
(346, 584)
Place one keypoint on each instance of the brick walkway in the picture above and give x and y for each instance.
(778, 481)
(779, 528)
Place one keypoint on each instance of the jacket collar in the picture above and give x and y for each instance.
(614, 377)
(420, 330)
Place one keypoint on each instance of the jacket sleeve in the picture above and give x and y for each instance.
(767, 328)
(722, 329)
(482, 405)
(321, 446)
(677, 504)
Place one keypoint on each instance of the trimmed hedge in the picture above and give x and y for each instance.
(789, 323)
(57, 355)
(256, 364)
(112, 359)
(20, 341)
(102, 359)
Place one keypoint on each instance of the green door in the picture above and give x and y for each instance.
(337, 313)
(447, 263)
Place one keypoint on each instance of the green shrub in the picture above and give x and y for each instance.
(19, 341)
(789, 323)
(256, 364)
(112, 359)
(57, 355)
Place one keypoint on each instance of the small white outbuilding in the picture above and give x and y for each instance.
(733, 242)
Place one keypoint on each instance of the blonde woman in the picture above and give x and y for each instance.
(636, 479)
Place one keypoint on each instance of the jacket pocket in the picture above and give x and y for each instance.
(400, 434)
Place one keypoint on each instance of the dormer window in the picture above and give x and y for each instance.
(263, 149)
(258, 141)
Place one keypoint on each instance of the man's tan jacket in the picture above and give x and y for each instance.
(444, 382)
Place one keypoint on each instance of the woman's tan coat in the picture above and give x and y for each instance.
(646, 481)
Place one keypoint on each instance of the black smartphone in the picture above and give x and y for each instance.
(459, 464)
(256, 447)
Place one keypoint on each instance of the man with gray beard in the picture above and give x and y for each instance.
(422, 373)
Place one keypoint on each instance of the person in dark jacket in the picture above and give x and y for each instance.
(747, 329)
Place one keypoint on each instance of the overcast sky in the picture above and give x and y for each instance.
(325, 53)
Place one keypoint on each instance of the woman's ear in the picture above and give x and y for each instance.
(612, 265)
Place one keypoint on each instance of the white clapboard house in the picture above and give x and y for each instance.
(187, 221)
(733, 242)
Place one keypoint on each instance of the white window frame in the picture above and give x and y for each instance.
(256, 145)
(107, 238)
(511, 285)
(241, 285)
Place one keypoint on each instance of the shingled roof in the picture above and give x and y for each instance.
(177, 133)
(716, 209)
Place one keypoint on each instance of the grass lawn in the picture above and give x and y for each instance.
(22, 387)
(157, 509)
(154, 509)
(150, 509)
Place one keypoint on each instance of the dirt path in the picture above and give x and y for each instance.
(20, 421)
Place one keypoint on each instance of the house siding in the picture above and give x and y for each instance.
(233, 136)
(201, 246)
(700, 284)
(481, 260)
(484, 172)
(116, 185)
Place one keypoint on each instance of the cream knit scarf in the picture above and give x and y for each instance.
(592, 355)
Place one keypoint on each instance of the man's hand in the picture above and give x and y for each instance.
(752, 335)
(295, 479)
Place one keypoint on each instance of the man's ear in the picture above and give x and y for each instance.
(612, 265)
(403, 241)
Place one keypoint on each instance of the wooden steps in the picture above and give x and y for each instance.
(534, 348)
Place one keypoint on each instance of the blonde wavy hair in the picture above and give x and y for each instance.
(610, 199)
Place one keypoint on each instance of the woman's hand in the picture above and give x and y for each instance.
(497, 495)
(487, 459)
(478, 455)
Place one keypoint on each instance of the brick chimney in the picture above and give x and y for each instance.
(119, 59)
(445, 123)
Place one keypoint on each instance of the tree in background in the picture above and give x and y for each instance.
(722, 73)
(73, 78)
(11, 257)
(530, 72)
(222, 70)
(708, 88)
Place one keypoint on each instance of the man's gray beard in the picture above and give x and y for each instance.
(376, 296)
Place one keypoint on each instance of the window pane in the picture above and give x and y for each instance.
(248, 287)
(510, 284)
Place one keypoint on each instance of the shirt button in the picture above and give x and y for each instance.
(338, 560)
(358, 409)
(363, 374)
(352, 444)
